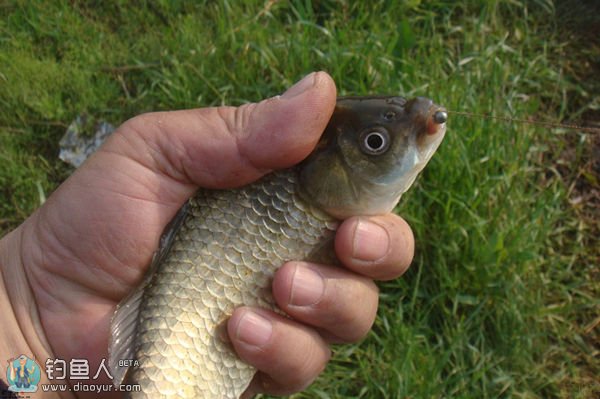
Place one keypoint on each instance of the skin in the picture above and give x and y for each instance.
(70, 263)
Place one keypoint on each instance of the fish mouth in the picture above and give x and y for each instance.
(430, 120)
(434, 132)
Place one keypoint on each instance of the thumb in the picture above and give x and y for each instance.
(224, 147)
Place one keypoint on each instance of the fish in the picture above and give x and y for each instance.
(223, 247)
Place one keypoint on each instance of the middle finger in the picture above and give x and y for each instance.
(338, 301)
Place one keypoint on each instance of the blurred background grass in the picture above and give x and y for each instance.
(503, 297)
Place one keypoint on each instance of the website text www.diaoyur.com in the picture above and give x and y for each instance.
(95, 388)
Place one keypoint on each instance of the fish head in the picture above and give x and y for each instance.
(370, 153)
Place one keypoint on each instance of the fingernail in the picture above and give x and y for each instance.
(371, 241)
(307, 287)
(253, 329)
(306, 83)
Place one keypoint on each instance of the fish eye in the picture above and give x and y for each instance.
(374, 142)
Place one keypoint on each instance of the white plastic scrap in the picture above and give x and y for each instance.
(76, 145)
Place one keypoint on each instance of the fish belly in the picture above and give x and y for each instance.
(223, 256)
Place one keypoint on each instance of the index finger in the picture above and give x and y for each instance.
(379, 247)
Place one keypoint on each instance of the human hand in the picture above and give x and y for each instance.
(66, 267)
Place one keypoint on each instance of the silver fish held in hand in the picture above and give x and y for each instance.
(223, 247)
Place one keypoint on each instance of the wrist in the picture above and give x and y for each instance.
(21, 332)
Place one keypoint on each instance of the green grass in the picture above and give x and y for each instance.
(504, 292)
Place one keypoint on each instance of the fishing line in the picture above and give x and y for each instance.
(542, 123)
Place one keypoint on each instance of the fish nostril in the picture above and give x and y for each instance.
(440, 117)
(419, 105)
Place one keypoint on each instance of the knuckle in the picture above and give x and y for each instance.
(296, 355)
(344, 316)
(298, 371)
(303, 372)
(238, 121)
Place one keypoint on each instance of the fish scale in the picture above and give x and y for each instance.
(207, 275)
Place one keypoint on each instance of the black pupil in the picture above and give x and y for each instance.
(374, 141)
